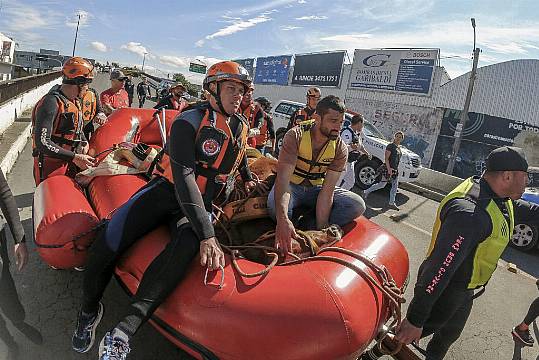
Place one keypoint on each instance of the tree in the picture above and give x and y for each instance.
(192, 89)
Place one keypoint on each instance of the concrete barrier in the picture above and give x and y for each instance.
(432, 184)
(14, 107)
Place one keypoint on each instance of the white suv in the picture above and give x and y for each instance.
(373, 140)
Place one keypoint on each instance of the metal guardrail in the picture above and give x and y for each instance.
(12, 88)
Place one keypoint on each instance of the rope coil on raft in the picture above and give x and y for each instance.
(384, 281)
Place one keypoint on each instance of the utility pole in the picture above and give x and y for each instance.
(143, 60)
(464, 114)
(76, 33)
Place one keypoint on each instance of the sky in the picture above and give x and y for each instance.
(174, 33)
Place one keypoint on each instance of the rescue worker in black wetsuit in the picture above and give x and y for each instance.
(10, 304)
(130, 89)
(474, 223)
(313, 97)
(206, 146)
(174, 100)
(59, 144)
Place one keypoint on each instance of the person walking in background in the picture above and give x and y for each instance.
(115, 97)
(130, 89)
(351, 136)
(143, 91)
(390, 170)
(10, 303)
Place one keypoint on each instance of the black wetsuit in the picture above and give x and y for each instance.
(160, 202)
(442, 303)
(9, 299)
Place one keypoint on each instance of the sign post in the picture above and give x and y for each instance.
(197, 68)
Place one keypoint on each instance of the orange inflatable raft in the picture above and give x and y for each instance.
(315, 309)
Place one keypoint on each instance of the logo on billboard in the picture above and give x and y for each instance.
(376, 60)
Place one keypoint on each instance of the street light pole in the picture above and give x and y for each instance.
(76, 33)
(143, 60)
(464, 114)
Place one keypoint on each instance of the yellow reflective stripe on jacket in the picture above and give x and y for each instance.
(488, 252)
(306, 168)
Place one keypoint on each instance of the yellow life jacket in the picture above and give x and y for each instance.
(306, 168)
(488, 252)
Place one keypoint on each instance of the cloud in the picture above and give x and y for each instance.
(264, 6)
(99, 46)
(19, 17)
(174, 61)
(236, 26)
(135, 48)
(84, 17)
(302, 2)
(289, 27)
(312, 17)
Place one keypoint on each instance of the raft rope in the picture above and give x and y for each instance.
(386, 283)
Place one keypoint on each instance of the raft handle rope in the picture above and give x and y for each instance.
(222, 283)
(76, 246)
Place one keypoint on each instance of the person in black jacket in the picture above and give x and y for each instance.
(474, 224)
(143, 92)
(130, 88)
(10, 304)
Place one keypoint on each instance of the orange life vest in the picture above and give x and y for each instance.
(67, 126)
(263, 136)
(89, 106)
(211, 151)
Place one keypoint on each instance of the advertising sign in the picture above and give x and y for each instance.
(323, 69)
(482, 134)
(6, 48)
(248, 64)
(273, 70)
(407, 71)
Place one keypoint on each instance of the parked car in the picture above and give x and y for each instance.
(373, 140)
(526, 234)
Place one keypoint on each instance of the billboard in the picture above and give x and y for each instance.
(406, 71)
(273, 70)
(322, 69)
(482, 134)
(248, 64)
(6, 48)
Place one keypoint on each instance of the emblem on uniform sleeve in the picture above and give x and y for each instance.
(210, 147)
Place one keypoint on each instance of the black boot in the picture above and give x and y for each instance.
(30, 332)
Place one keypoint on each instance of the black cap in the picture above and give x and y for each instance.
(507, 158)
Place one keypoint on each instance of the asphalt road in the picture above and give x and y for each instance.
(52, 297)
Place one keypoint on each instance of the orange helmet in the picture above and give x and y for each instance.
(77, 71)
(227, 70)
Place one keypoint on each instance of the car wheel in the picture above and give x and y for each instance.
(525, 236)
(366, 173)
